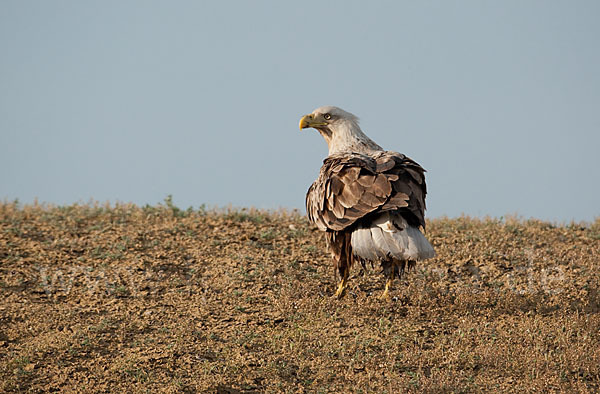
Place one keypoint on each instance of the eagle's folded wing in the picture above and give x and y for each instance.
(352, 185)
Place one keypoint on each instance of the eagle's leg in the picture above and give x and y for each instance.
(386, 292)
(391, 269)
(341, 248)
(342, 286)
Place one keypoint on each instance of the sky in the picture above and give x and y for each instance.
(132, 101)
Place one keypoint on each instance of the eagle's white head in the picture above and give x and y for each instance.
(340, 130)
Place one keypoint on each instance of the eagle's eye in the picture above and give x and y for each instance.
(327, 116)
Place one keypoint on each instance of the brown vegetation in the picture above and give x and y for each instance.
(129, 299)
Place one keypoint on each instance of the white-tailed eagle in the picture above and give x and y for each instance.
(370, 202)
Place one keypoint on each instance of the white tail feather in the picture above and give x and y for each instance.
(362, 244)
(382, 249)
(389, 235)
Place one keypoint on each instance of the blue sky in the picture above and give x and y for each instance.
(131, 101)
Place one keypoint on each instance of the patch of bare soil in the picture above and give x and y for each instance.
(129, 299)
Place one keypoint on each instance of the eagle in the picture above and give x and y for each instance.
(369, 202)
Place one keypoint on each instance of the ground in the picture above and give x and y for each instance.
(99, 298)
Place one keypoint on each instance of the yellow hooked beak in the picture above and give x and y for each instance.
(311, 121)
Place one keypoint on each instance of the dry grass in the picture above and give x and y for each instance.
(129, 299)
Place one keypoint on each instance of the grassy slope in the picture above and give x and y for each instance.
(145, 299)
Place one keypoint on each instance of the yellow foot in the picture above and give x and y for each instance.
(341, 288)
(385, 296)
(386, 293)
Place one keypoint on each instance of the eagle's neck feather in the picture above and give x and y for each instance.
(347, 136)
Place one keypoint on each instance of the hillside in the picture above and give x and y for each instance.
(130, 299)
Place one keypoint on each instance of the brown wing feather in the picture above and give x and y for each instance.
(350, 194)
(381, 187)
(352, 185)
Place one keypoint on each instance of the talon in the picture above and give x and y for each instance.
(385, 296)
(341, 288)
(386, 293)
